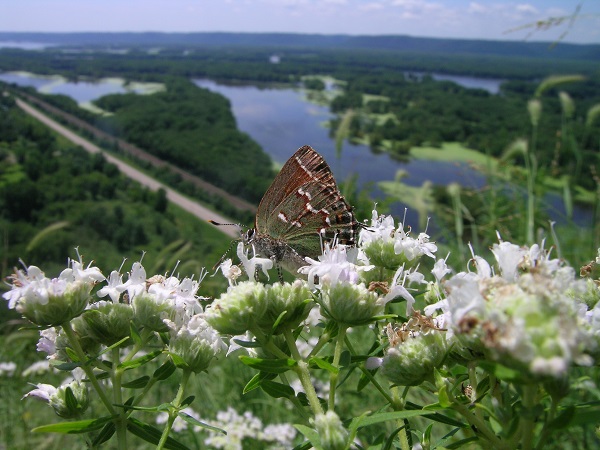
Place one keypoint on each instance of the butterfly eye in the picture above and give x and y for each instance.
(249, 236)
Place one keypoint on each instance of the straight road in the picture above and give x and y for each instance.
(173, 196)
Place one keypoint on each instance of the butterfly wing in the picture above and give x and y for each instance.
(304, 202)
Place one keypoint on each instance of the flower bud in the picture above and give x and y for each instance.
(196, 343)
(106, 322)
(236, 311)
(331, 431)
(412, 361)
(351, 304)
(294, 299)
(69, 401)
(149, 312)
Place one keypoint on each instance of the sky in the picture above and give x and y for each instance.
(481, 19)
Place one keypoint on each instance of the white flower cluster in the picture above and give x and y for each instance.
(238, 428)
(530, 315)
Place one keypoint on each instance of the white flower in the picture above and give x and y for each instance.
(230, 271)
(114, 288)
(7, 368)
(47, 342)
(440, 269)
(136, 284)
(382, 229)
(250, 264)
(337, 264)
(508, 256)
(397, 289)
(37, 368)
(43, 392)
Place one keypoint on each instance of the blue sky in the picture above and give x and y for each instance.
(436, 18)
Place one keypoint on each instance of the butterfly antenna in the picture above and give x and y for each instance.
(222, 258)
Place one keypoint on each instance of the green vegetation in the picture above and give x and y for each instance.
(54, 197)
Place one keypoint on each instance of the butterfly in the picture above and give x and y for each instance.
(302, 209)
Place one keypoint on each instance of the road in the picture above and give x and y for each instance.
(189, 205)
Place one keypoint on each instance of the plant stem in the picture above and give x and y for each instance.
(116, 376)
(74, 341)
(301, 370)
(174, 410)
(333, 379)
(120, 423)
(526, 420)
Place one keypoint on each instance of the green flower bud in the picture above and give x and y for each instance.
(236, 311)
(62, 304)
(331, 431)
(293, 298)
(382, 254)
(197, 344)
(149, 313)
(107, 323)
(412, 361)
(70, 401)
(351, 304)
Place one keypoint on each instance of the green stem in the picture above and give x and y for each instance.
(174, 410)
(398, 405)
(546, 431)
(74, 341)
(479, 425)
(337, 354)
(369, 375)
(116, 377)
(527, 423)
(301, 370)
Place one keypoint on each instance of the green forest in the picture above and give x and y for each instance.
(54, 196)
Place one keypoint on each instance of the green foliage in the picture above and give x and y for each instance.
(192, 128)
(64, 197)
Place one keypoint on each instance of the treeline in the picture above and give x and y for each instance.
(194, 129)
(54, 197)
(252, 63)
(422, 111)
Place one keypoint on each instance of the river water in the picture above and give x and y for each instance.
(281, 120)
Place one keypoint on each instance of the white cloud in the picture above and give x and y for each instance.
(527, 8)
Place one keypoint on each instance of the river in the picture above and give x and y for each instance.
(281, 120)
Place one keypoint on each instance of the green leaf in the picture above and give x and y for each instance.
(502, 372)
(311, 435)
(178, 360)
(104, 435)
(345, 358)
(319, 362)
(196, 422)
(71, 354)
(563, 420)
(390, 440)
(269, 365)
(187, 401)
(256, 380)
(164, 371)
(135, 335)
(585, 416)
(151, 434)
(387, 416)
(277, 390)
(70, 399)
(462, 442)
(77, 427)
(138, 383)
(137, 362)
(363, 382)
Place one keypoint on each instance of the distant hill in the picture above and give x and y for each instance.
(319, 41)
